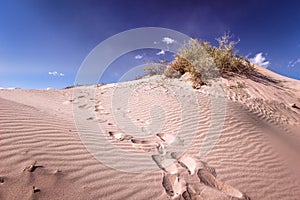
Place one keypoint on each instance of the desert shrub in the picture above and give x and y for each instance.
(226, 58)
(204, 61)
(171, 73)
(154, 69)
(181, 64)
(193, 58)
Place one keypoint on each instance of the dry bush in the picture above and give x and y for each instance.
(154, 69)
(171, 73)
(180, 64)
(226, 58)
(193, 58)
(157, 67)
(204, 61)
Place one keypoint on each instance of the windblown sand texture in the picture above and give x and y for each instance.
(256, 155)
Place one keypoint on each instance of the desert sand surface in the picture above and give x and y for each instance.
(252, 122)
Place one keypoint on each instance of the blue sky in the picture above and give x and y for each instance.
(42, 36)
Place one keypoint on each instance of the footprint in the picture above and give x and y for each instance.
(58, 172)
(173, 185)
(212, 170)
(161, 149)
(139, 141)
(189, 163)
(168, 165)
(191, 193)
(167, 184)
(186, 195)
(186, 162)
(176, 155)
(158, 159)
(208, 179)
(35, 189)
(120, 136)
(101, 120)
(169, 138)
(145, 145)
(82, 106)
(32, 167)
(99, 108)
(1, 179)
(179, 186)
(104, 113)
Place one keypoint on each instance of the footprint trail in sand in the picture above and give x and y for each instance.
(176, 168)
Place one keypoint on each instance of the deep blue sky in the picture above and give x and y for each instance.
(42, 36)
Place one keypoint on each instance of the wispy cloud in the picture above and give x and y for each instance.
(162, 52)
(10, 88)
(138, 57)
(168, 40)
(55, 73)
(260, 60)
(293, 63)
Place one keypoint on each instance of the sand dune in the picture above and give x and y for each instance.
(157, 146)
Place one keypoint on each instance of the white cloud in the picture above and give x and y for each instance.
(52, 73)
(162, 52)
(138, 57)
(168, 40)
(293, 63)
(10, 88)
(260, 60)
(55, 73)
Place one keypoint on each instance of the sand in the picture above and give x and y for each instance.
(168, 141)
